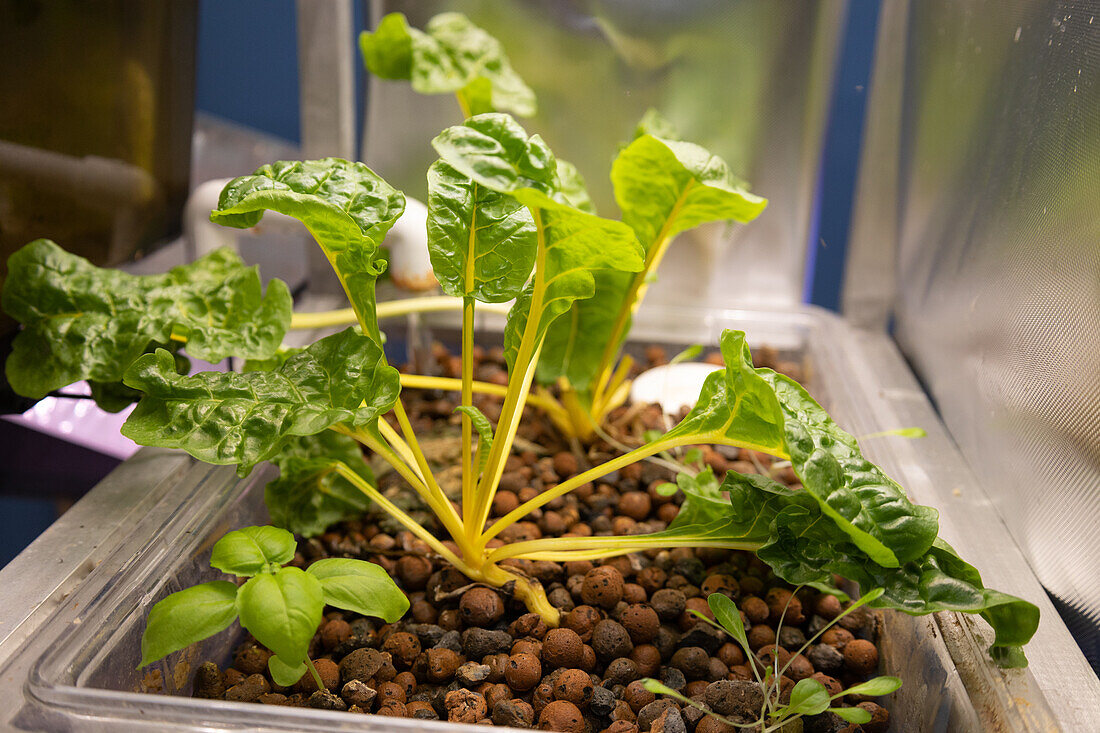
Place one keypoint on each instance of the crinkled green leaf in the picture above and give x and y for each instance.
(481, 242)
(282, 610)
(768, 411)
(808, 697)
(494, 151)
(346, 207)
(271, 363)
(450, 55)
(233, 418)
(284, 673)
(309, 495)
(663, 187)
(360, 586)
(116, 396)
(247, 551)
(85, 322)
(803, 544)
(190, 615)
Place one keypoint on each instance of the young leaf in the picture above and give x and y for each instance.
(484, 431)
(346, 207)
(246, 551)
(570, 188)
(282, 610)
(809, 697)
(494, 151)
(187, 616)
(283, 673)
(360, 586)
(852, 715)
(481, 242)
(726, 614)
(450, 55)
(663, 187)
(232, 418)
(85, 322)
(875, 687)
(656, 124)
(309, 494)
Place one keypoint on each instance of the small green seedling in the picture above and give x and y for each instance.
(281, 606)
(808, 696)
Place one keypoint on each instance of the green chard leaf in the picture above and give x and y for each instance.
(233, 418)
(663, 187)
(484, 432)
(450, 55)
(481, 242)
(346, 207)
(494, 151)
(86, 322)
(246, 551)
(284, 673)
(309, 495)
(803, 544)
(187, 616)
(360, 586)
(282, 610)
(768, 411)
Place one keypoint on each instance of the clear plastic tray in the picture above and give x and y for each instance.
(86, 680)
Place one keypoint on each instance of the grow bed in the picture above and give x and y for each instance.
(86, 679)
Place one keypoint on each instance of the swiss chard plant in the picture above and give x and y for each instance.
(506, 221)
(280, 605)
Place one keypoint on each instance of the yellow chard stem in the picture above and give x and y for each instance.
(387, 309)
(541, 400)
(518, 386)
(390, 508)
(654, 254)
(558, 549)
(468, 397)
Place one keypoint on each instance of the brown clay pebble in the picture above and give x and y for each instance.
(481, 607)
(403, 647)
(668, 603)
(523, 671)
(827, 606)
(358, 693)
(640, 622)
(209, 682)
(582, 619)
(575, 686)
(248, 689)
(421, 710)
(760, 636)
(880, 718)
(610, 640)
(441, 664)
(325, 700)
(565, 464)
(800, 668)
(832, 685)
(562, 648)
(837, 637)
(635, 504)
(647, 659)
(561, 716)
(731, 654)
(621, 726)
(330, 675)
(464, 706)
(713, 725)
(393, 709)
(603, 586)
(251, 660)
(335, 632)
(513, 714)
(860, 657)
(693, 661)
(271, 698)
(414, 571)
(637, 696)
(783, 604)
(756, 610)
